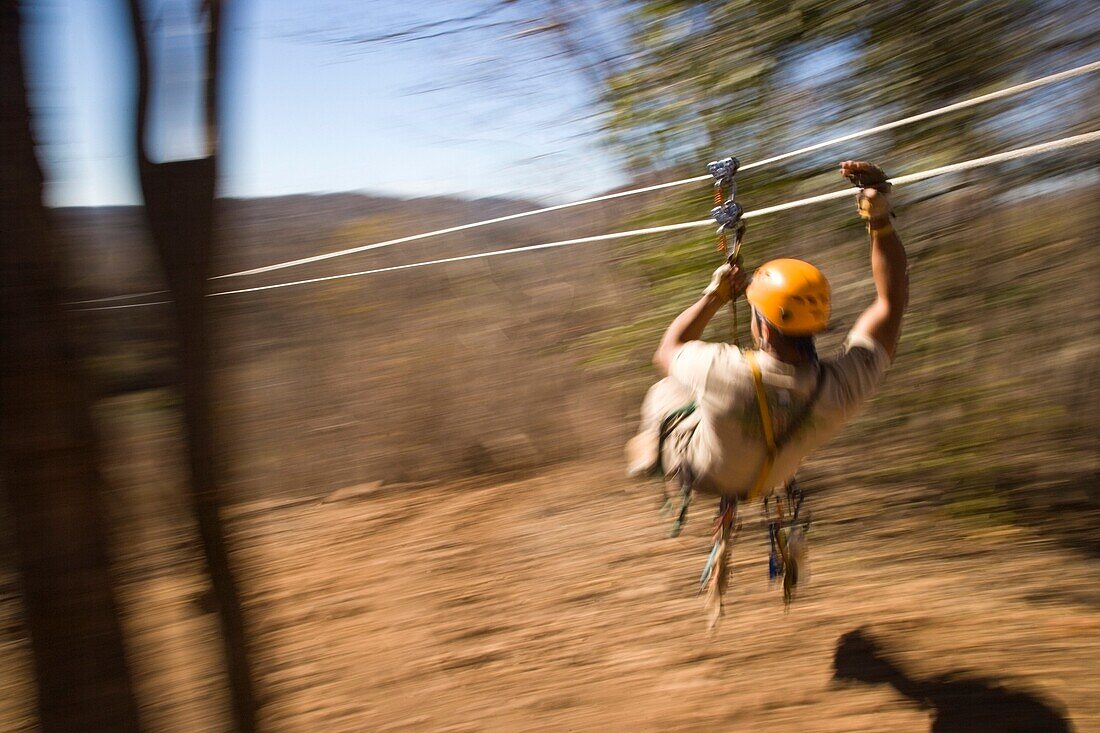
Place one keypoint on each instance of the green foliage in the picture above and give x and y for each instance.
(706, 79)
(745, 75)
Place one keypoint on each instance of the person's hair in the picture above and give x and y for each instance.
(804, 346)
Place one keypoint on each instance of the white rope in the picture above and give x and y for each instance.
(120, 307)
(1066, 142)
(452, 230)
(1060, 144)
(478, 255)
(973, 101)
(1053, 78)
(110, 298)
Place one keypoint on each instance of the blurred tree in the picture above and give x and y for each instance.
(708, 77)
(48, 447)
(179, 206)
(705, 79)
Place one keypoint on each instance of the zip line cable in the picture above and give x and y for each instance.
(1059, 144)
(126, 305)
(981, 99)
(973, 101)
(109, 298)
(1051, 79)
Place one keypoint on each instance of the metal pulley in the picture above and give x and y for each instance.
(728, 216)
(727, 212)
(723, 171)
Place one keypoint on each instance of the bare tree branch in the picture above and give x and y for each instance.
(435, 29)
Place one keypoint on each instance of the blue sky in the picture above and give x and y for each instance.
(305, 114)
(305, 111)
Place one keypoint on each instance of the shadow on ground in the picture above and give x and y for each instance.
(961, 705)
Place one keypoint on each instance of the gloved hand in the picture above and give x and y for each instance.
(874, 206)
(873, 200)
(728, 281)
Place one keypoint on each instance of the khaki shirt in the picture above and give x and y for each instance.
(726, 448)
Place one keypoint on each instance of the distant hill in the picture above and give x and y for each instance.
(462, 368)
(511, 363)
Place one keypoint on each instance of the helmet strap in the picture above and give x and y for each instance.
(758, 321)
(803, 345)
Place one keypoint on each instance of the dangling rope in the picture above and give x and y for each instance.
(787, 539)
(715, 578)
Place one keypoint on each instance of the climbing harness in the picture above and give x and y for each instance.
(765, 425)
(786, 522)
(787, 529)
(670, 422)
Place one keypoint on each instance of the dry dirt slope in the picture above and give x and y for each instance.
(556, 603)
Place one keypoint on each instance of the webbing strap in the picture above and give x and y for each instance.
(766, 424)
(671, 420)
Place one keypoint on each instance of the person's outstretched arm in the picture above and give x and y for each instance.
(727, 282)
(889, 264)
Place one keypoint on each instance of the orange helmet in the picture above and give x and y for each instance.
(791, 295)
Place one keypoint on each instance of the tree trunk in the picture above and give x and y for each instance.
(47, 448)
(179, 207)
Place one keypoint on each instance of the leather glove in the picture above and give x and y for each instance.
(728, 281)
(874, 207)
(873, 200)
(720, 283)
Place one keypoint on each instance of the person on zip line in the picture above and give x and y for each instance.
(704, 417)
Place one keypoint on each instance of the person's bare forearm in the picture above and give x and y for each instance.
(889, 266)
(688, 326)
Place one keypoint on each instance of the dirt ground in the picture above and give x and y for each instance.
(558, 603)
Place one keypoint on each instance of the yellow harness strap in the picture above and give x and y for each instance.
(766, 424)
